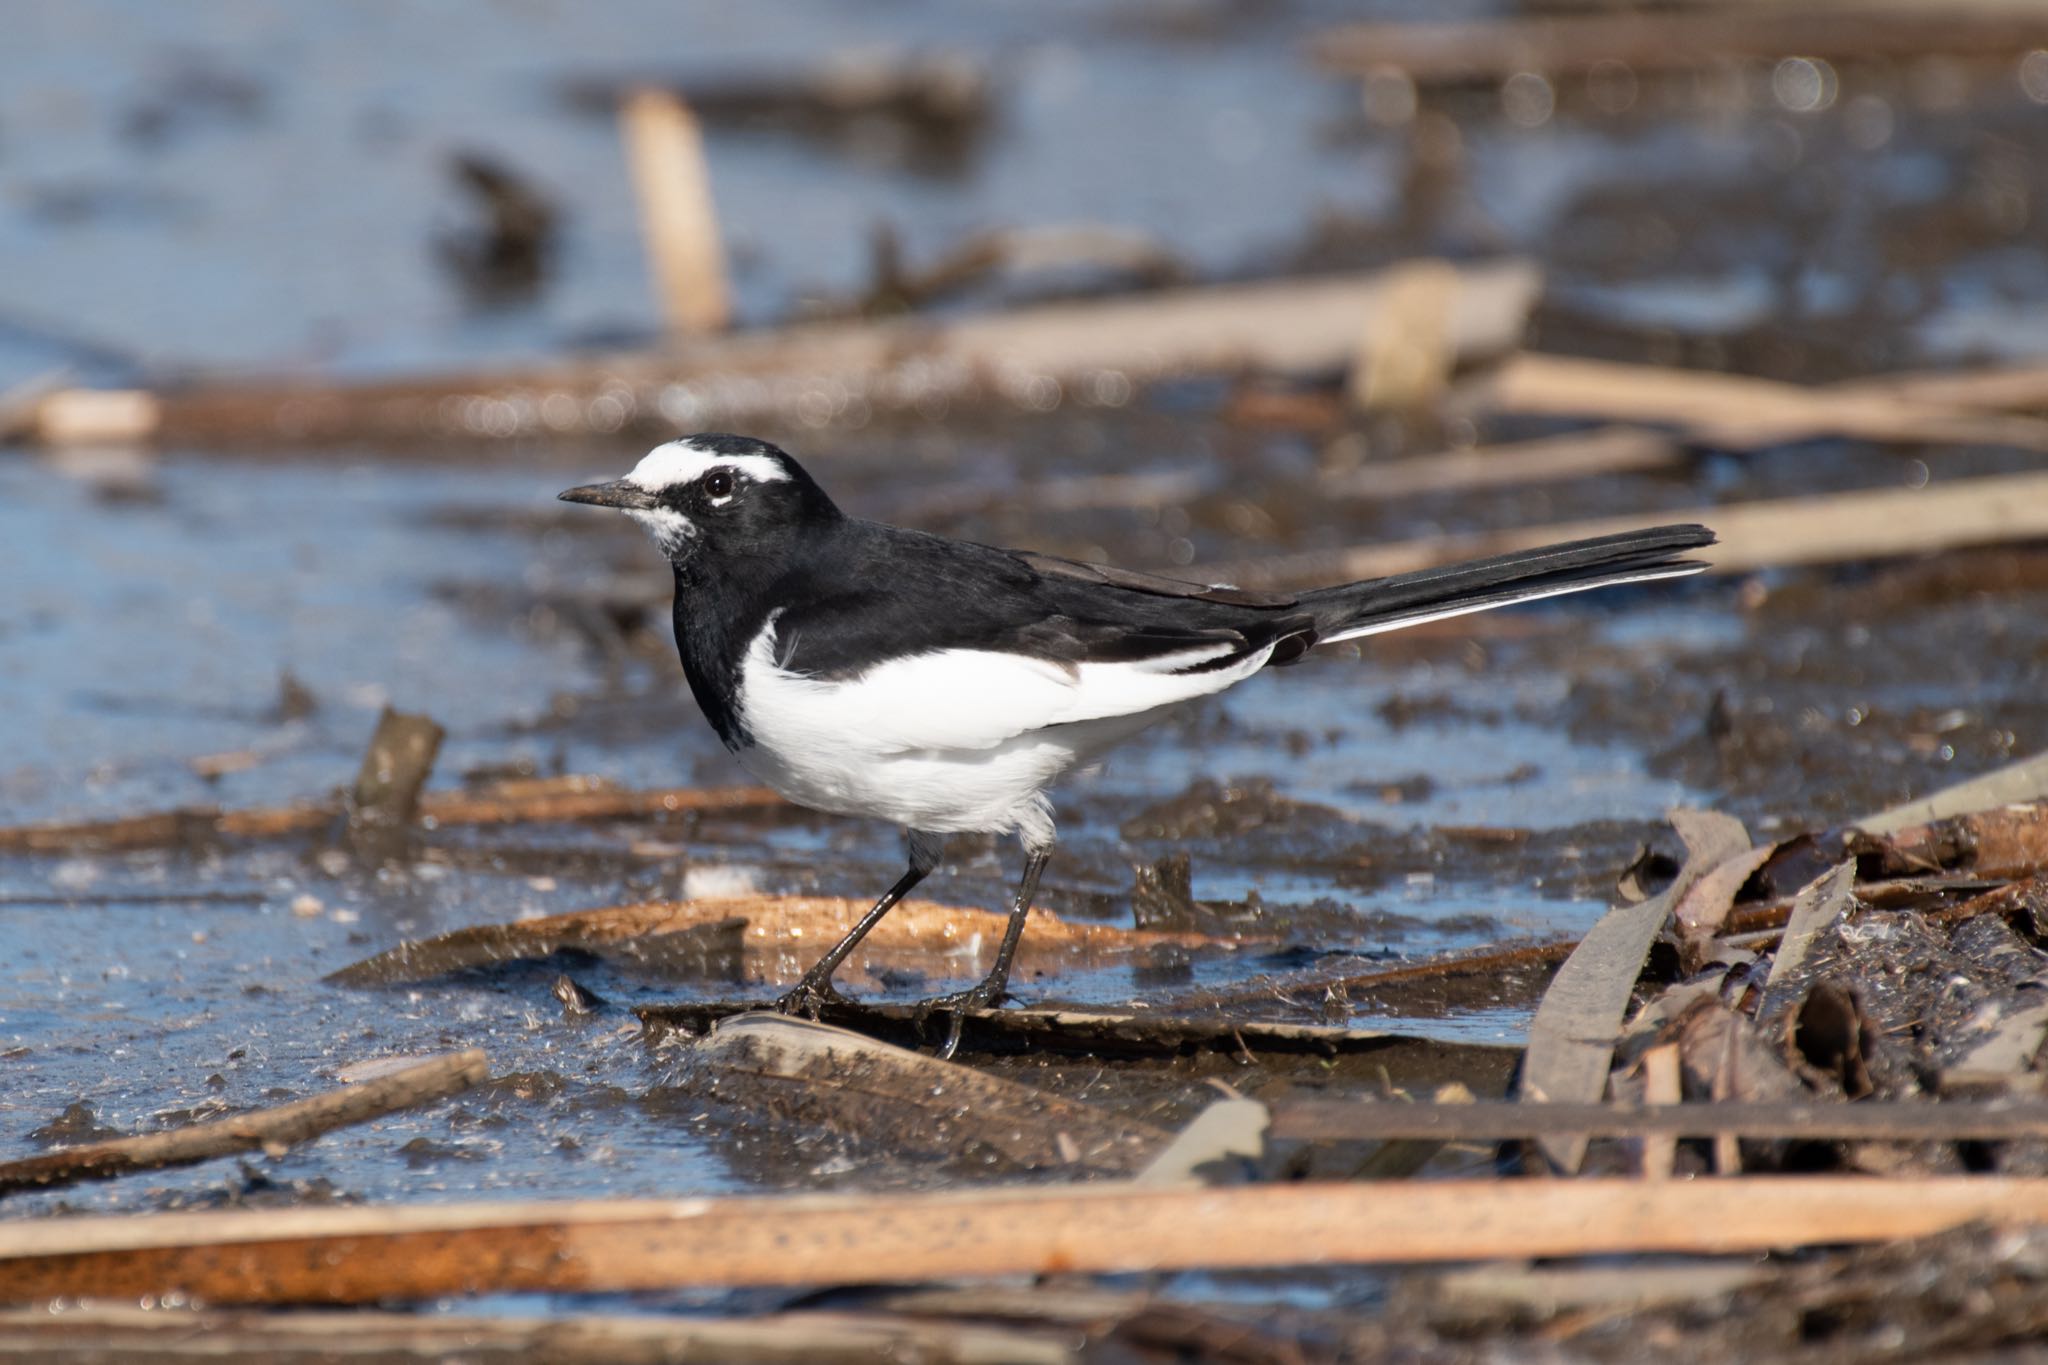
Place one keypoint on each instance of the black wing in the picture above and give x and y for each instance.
(890, 592)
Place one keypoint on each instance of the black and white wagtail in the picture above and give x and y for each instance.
(863, 669)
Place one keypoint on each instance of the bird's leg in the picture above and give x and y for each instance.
(815, 990)
(992, 988)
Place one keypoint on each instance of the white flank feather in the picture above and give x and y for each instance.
(957, 739)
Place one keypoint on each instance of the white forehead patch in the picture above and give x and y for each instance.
(680, 462)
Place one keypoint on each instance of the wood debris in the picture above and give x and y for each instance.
(1406, 352)
(2003, 844)
(429, 1251)
(778, 934)
(1743, 412)
(99, 1330)
(395, 767)
(2026, 780)
(1497, 1121)
(1090, 352)
(1665, 40)
(271, 1130)
(569, 798)
(1071, 1032)
(665, 152)
(945, 90)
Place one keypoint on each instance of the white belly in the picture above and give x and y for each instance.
(943, 791)
(955, 740)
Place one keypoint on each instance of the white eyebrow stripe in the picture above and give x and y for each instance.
(680, 462)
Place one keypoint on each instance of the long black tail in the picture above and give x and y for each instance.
(1381, 604)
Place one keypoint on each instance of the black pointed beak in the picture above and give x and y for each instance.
(618, 493)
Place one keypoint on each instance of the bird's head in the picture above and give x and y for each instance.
(715, 494)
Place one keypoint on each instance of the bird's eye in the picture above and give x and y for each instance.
(718, 483)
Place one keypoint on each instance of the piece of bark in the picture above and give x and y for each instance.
(2005, 843)
(267, 1130)
(1571, 1037)
(908, 1105)
(780, 935)
(396, 766)
(431, 1251)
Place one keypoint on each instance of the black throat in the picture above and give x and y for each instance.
(725, 594)
(715, 621)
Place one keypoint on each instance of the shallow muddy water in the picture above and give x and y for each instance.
(170, 205)
(1444, 791)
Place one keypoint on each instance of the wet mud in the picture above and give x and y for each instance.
(191, 631)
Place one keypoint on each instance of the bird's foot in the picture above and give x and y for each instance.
(809, 998)
(988, 995)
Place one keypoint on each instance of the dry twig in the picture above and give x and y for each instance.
(575, 798)
(268, 1130)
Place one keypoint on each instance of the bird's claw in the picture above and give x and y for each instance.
(986, 996)
(809, 998)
